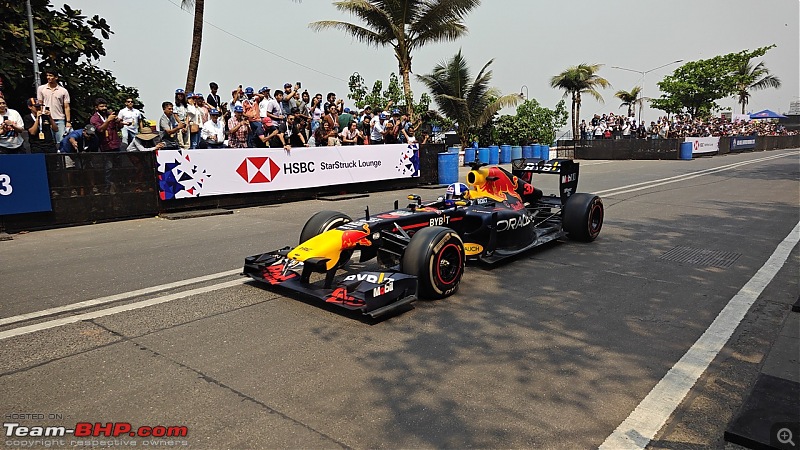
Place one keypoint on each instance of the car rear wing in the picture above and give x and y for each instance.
(567, 170)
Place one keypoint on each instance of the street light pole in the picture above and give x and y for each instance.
(644, 76)
(526, 92)
(36, 75)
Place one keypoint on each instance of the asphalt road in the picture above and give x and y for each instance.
(553, 350)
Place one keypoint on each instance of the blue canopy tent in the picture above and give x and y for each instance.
(767, 114)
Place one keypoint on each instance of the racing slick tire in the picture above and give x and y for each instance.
(436, 257)
(583, 217)
(322, 222)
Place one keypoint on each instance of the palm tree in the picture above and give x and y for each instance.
(753, 79)
(405, 25)
(197, 39)
(470, 103)
(577, 80)
(630, 99)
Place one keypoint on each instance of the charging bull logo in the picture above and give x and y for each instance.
(495, 183)
(351, 238)
(340, 297)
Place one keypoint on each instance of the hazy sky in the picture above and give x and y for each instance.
(529, 40)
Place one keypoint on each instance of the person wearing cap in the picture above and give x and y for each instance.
(377, 129)
(213, 132)
(41, 128)
(56, 97)
(238, 128)
(289, 97)
(10, 138)
(265, 97)
(80, 141)
(344, 119)
(130, 117)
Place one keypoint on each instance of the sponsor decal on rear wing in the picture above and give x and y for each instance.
(567, 170)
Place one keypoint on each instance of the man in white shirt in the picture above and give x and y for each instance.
(377, 127)
(12, 126)
(213, 132)
(130, 117)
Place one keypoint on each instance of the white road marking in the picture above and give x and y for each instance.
(652, 413)
(114, 298)
(683, 177)
(117, 309)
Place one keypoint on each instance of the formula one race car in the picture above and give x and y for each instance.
(423, 247)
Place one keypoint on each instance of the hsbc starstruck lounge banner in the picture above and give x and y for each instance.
(207, 172)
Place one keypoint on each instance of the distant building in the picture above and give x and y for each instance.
(794, 108)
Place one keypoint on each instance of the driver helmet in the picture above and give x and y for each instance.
(456, 191)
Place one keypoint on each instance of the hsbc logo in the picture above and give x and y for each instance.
(258, 169)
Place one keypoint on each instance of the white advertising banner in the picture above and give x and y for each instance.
(703, 144)
(206, 172)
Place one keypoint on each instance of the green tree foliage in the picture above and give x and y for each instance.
(533, 123)
(576, 81)
(470, 103)
(696, 86)
(379, 98)
(403, 25)
(753, 78)
(67, 41)
(631, 99)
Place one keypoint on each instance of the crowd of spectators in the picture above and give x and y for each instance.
(287, 118)
(613, 126)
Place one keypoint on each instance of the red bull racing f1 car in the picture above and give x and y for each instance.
(422, 249)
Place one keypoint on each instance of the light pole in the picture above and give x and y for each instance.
(644, 74)
(36, 76)
(525, 96)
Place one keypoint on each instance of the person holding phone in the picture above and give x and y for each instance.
(41, 128)
(10, 139)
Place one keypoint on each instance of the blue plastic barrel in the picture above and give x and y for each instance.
(505, 154)
(516, 152)
(686, 150)
(469, 156)
(545, 152)
(453, 150)
(494, 154)
(483, 155)
(527, 151)
(537, 151)
(448, 168)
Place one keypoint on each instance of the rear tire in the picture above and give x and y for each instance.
(436, 257)
(583, 217)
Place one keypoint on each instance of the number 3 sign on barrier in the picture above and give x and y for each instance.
(23, 184)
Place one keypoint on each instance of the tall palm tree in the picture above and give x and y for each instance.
(470, 103)
(753, 79)
(405, 25)
(577, 80)
(630, 99)
(197, 39)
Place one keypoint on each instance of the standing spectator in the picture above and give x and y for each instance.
(582, 127)
(130, 118)
(316, 112)
(333, 102)
(169, 127)
(213, 99)
(377, 129)
(56, 97)
(238, 128)
(193, 121)
(344, 119)
(107, 126)
(389, 133)
(213, 132)
(302, 105)
(289, 97)
(265, 96)
(275, 109)
(10, 139)
(203, 116)
(41, 128)
(181, 111)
